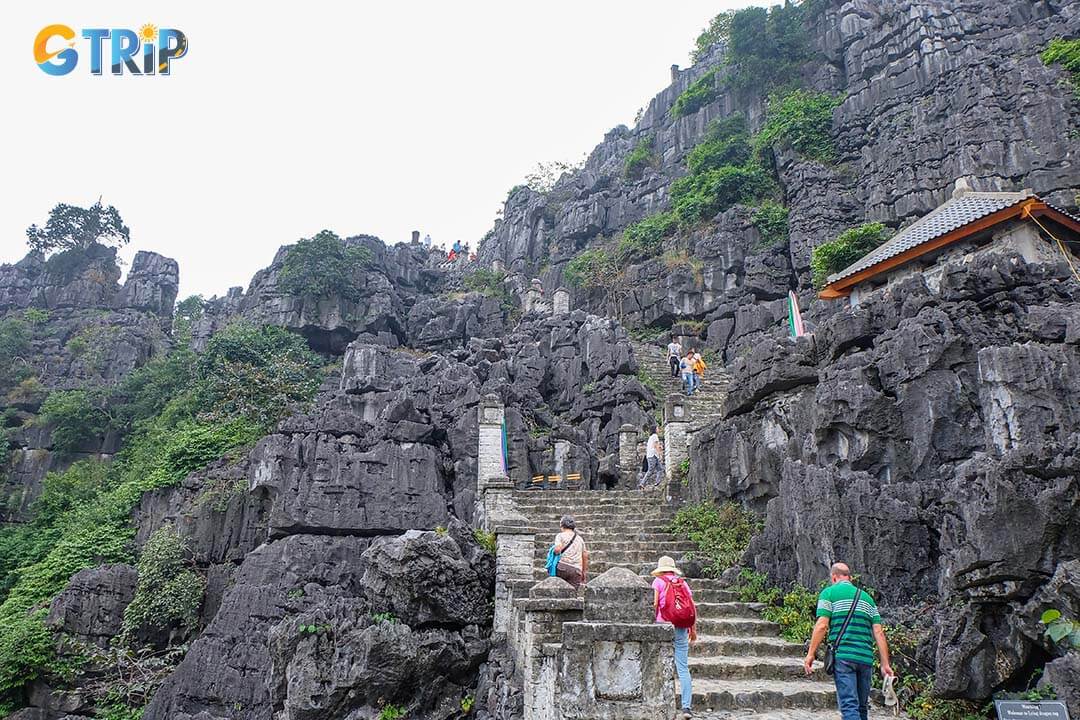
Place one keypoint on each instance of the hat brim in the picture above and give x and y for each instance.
(661, 570)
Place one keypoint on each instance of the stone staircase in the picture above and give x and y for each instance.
(740, 666)
(707, 402)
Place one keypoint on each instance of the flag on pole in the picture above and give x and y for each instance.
(794, 316)
(505, 465)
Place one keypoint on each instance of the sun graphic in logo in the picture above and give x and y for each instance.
(148, 33)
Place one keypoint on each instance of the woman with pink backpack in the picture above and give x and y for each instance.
(674, 604)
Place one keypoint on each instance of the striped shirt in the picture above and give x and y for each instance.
(857, 644)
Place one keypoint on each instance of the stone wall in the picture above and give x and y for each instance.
(600, 657)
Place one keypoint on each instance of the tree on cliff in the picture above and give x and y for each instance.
(322, 266)
(71, 227)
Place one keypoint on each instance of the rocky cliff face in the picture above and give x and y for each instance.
(932, 91)
(84, 330)
(928, 437)
(398, 277)
(931, 441)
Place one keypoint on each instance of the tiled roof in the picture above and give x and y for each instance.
(954, 214)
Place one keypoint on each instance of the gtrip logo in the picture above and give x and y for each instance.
(146, 52)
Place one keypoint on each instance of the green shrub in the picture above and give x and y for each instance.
(143, 393)
(14, 352)
(193, 446)
(771, 220)
(803, 121)
(1067, 54)
(77, 417)
(26, 651)
(641, 157)
(1061, 630)
(83, 516)
(36, 316)
(721, 533)
(727, 142)
(488, 283)
(832, 257)
(590, 269)
(645, 238)
(794, 609)
(698, 198)
(766, 48)
(188, 311)
(322, 266)
(719, 30)
(387, 618)
(256, 373)
(700, 93)
(795, 614)
(486, 540)
(168, 593)
(391, 712)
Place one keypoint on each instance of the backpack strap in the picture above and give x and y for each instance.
(847, 620)
(567, 545)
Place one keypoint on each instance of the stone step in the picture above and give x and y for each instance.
(749, 667)
(552, 517)
(575, 494)
(764, 694)
(743, 645)
(625, 557)
(735, 626)
(877, 713)
(613, 530)
(547, 517)
(713, 609)
(594, 544)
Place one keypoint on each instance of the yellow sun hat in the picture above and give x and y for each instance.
(666, 565)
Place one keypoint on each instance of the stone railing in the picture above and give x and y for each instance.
(597, 657)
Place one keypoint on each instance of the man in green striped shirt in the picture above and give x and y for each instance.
(855, 650)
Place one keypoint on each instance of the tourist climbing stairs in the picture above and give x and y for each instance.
(740, 664)
(707, 402)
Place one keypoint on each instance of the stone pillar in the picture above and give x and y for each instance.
(415, 236)
(534, 296)
(551, 603)
(498, 503)
(562, 449)
(676, 432)
(629, 462)
(489, 456)
(561, 302)
(616, 663)
(674, 74)
(513, 569)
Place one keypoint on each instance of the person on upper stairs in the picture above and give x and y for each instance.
(699, 367)
(674, 355)
(849, 617)
(653, 452)
(573, 564)
(674, 603)
(688, 377)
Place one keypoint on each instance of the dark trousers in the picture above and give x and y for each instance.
(674, 363)
(853, 689)
(569, 573)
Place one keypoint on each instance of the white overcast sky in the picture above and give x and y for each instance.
(359, 117)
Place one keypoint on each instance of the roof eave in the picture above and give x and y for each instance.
(1034, 206)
